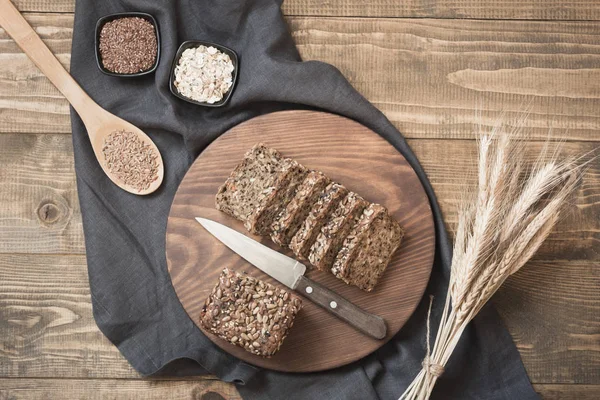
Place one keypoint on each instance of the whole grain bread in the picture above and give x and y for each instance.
(287, 180)
(286, 224)
(318, 219)
(318, 216)
(250, 183)
(332, 235)
(250, 313)
(368, 248)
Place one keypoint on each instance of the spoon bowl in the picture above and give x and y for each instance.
(98, 122)
(98, 134)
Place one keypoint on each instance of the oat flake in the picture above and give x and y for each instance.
(204, 74)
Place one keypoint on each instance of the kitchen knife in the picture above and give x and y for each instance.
(291, 273)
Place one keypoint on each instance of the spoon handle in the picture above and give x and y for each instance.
(23, 34)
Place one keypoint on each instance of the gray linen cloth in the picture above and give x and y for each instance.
(134, 303)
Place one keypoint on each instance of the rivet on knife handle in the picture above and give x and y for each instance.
(370, 324)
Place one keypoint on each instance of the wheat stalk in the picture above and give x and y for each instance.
(499, 230)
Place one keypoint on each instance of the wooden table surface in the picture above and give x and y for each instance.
(428, 65)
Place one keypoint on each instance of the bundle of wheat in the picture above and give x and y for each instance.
(504, 223)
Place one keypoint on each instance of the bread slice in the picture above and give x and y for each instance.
(332, 235)
(249, 183)
(368, 249)
(318, 216)
(286, 224)
(283, 189)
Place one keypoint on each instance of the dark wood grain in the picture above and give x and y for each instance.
(350, 154)
(567, 392)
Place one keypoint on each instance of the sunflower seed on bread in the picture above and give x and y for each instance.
(250, 313)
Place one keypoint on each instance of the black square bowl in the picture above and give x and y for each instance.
(112, 17)
(195, 43)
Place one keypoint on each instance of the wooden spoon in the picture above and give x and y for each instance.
(98, 122)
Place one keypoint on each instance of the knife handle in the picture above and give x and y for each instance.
(370, 324)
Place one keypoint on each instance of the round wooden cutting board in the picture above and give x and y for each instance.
(350, 154)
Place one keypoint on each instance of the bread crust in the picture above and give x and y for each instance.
(368, 249)
(286, 182)
(330, 239)
(249, 183)
(289, 220)
(318, 216)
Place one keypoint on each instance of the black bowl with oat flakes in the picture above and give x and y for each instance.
(221, 57)
(127, 44)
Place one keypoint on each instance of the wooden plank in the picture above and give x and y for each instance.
(28, 101)
(551, 310)
(568, 392)
(430, 77)
(47, 329)
(67, 389)
(103, 389)
(450, 167)
(66, 6)
(46, 323)
(481, 9)
(39, 210)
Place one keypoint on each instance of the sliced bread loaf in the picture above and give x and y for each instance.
(290, 176)
(290, 218)
(318, 216)
(368, 248)
(332, 235)
(249, 183)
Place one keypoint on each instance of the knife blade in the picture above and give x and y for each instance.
(279, 266)
(290, 272)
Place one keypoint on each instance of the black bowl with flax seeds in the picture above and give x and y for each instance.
(127, 44)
